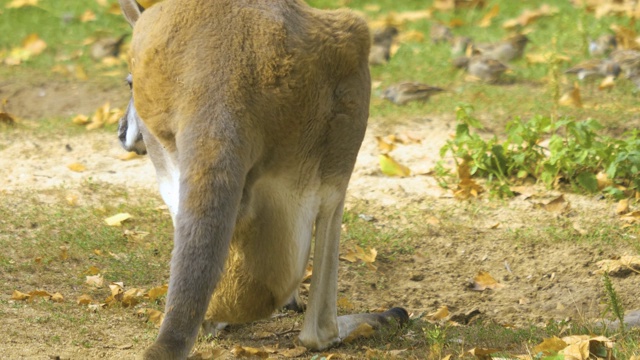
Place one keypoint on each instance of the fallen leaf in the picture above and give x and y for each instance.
(132, 297)
(57, 297)
(6, 118)
(92, 270)
(64, 252)
(390, 167)
(118, 219)
(363, 330)
(153, 316)
(625, 265)
(80, 119)
(557, 205)
(483, 353)
(607, 83)
(87, 16)
(603, 180)
(96, 281)
(84, 299)
(384, 146)
(550, 346)
(77, 167)
(246, 351)
(577, 351)
(156, 292)
(294, 352)
(136, 235)
(483, 280)
(488, 17)
(571, 98)
(622, 207)
(528, 16)
(440, 314)
(21, 3)
(17, 295)
(128, 156)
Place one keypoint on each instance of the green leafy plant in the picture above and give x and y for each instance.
(613, 301)
(553, 152)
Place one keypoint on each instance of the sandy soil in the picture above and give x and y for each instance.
(543, 282)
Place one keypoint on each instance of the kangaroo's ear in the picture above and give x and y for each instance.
(131, 10)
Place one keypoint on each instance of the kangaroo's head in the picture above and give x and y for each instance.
(129, 126)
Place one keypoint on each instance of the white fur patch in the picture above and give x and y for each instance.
(133, 129)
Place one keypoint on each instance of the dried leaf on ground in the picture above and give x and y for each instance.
(345, 304)
(623, 266)
(550, 346)
(151, 315)
(117, 219)
(17, 295)
(87, 16)
(156, 292)
(467, 187)
(384, 146)
(293, 352)
(440, 314)
(129, 156)
(363, 330)
(571, 98)
(136, 235)
(557, 205)
(92, 270)
(488, 17)
(96, 281)
(76, 167)
(367, 256)
(622, 207)
(57, 297)
(483, 280)
(390, 167)
(64, 252)
(32, 45)
(528, 16)
(603, 180)
(249, 352)
(84, 299)
(21, 3)
(607, 83)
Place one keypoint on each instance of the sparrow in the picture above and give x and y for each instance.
(595, 68)
(380, 52)
(405, 92)
(505, 51)
(628, 60)
(459, 45)
(440, 33)
(107, 47)
(486, 68)
(603, 45)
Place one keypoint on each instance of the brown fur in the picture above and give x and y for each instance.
(263, 105)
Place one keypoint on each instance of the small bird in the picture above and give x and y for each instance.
(505, 51)
(380, 52)
(440, 33)
(459, 45)
(595, 68)
(603, 45)
(107, 47)
(628, 60)
(405, 92)
(486, 68)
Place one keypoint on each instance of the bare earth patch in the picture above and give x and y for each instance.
(450, 241)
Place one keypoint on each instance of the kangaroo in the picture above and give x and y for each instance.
(252, 112)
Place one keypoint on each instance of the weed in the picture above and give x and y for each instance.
(614, 305)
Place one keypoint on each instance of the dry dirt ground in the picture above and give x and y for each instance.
(546, 281)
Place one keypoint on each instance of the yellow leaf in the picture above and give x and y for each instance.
(116, 220)
(483, 280)
(622, 207)
(363, 330)
(488, 17)
(249, 352)
(390, 167)
(603, 180)
(57, 297)
(33, 44)
(17, 295)
(95, 280)
(440, 314)
(156, 292)
(294, 352)
(550, 346)
(80, 119)
(350, 256)
(384, 146)
(577, 351)
(92, 270)
(607, 83)
(571, 98)
(80, 73)
(21, 3)
(368, 256)
(77, 167)
(72, 199)
(87, 16)
(84, 299)
(39, 293)
(132, 297)
(128, 156)
(558, 205)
